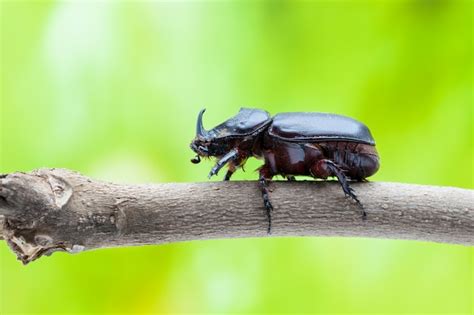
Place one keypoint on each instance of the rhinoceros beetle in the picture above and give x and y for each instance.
(319, 145)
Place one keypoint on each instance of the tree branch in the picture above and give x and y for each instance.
(55, 209)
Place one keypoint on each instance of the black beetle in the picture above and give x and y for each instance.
(312, 144)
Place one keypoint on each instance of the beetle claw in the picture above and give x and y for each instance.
(214, 171)
(211, 173)
(263, 183)
(269, 208)
(348, 191)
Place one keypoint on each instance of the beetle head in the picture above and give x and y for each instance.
(238, 131)
(207, 143)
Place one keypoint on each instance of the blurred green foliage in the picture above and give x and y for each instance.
(112, 89)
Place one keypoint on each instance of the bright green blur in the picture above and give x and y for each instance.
(112, 89)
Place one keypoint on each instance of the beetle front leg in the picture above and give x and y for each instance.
(325, 168)
(233, 165)
(264, 179)
(232, 155)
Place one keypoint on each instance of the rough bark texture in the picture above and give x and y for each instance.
(56, 209)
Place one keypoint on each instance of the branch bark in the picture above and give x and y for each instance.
(51, 210)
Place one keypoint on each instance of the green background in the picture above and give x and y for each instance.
(112, 89)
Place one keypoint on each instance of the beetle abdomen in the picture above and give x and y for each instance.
(359, 160)
(297, 127)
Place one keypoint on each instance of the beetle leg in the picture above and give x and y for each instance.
(325, 168)
(228, 175)
(230, 171)
(264, 179)
(223, 161)
(233, 165)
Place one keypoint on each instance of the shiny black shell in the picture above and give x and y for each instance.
(247, 121)
(318, 127)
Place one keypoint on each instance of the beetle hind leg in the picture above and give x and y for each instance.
(326, 168)
(264, 179)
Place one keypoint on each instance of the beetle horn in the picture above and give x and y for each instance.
(200, 131)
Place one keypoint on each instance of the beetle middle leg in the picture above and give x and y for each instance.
(326, 168)
(264, 179)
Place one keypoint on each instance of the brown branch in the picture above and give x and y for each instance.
(55, 209)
